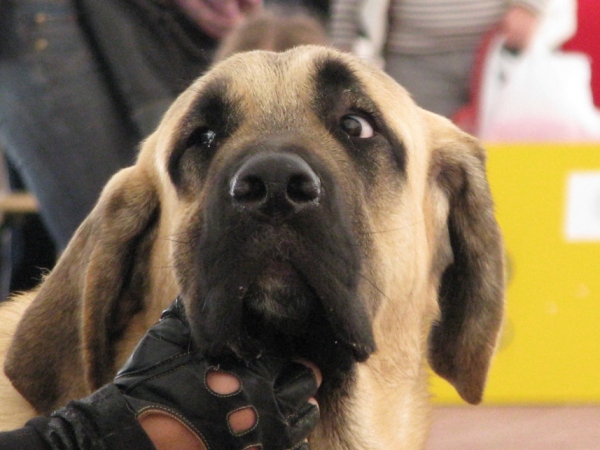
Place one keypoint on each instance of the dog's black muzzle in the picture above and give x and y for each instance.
(279, 262)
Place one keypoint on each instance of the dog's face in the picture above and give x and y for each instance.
(276, 178)
(303, 206)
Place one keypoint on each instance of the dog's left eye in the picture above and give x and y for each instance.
(356, 126)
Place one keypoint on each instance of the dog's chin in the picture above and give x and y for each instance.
(281, 307)
(283, 317)
(280, 300)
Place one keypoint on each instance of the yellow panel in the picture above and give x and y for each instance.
(550, 350)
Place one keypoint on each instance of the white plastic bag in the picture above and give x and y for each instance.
(538, 95)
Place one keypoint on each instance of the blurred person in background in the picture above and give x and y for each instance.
(319, 8)
(429, 46)
(82, 82)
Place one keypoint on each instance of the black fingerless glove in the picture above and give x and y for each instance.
(166, 375)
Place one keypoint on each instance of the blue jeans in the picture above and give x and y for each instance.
(60, 125)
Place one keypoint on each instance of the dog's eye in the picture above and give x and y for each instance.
(356, 126)
(202, 137)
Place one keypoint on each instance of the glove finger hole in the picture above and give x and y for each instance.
(242, 420)
(165, 428)
(221, 383)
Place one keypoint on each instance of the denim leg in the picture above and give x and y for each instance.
(59, 122)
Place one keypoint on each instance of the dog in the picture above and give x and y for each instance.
(300, 203)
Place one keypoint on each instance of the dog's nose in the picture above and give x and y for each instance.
(276, 185)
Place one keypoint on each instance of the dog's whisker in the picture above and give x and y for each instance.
(169, 266)
(173, 239)
(374, 285)
(410, 225)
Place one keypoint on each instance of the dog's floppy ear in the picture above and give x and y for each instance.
(64, 342)
(471, 292)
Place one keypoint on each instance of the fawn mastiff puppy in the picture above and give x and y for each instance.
(302, 205)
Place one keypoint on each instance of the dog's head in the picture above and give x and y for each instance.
(302, 205)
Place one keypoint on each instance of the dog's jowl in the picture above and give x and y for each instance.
(302, 206)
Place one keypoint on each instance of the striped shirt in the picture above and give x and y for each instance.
(426, 26)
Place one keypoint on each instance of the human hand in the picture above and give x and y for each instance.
(518, 27)
(218, 17)
(186, 402)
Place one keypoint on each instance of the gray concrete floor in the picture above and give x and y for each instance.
(515, 428)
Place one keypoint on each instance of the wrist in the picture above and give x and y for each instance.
(102, 420)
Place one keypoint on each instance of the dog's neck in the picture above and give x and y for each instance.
(358, 420)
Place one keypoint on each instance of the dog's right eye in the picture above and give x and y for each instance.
(356, 126)
(202, 137)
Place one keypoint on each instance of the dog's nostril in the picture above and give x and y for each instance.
(249, 189)
(275, 185)
(303, 188)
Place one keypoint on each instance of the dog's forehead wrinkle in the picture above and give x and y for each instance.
(216, 105)
(275, 90)
(336, 79)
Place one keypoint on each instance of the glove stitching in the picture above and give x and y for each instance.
(175, 415)
(243, 432)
